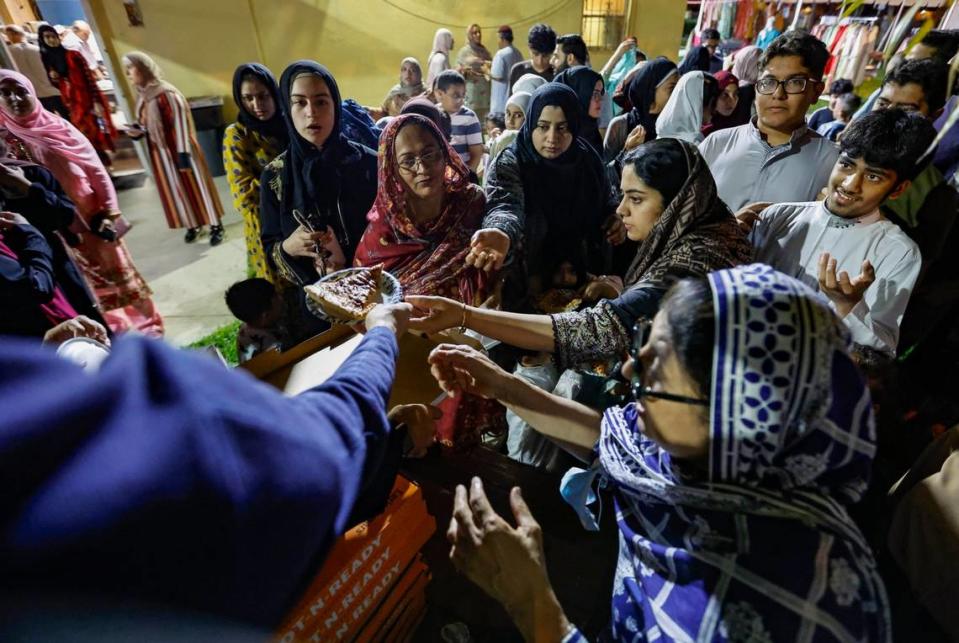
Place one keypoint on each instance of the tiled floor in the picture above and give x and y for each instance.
(188, 280)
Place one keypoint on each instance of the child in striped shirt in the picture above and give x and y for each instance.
(467, 136)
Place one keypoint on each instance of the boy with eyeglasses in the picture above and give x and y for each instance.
(776, 158)
(844, 246)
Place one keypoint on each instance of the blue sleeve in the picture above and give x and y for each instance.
(166, 477)
(46, 205)
(29, 276)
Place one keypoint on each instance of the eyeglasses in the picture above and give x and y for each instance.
(427, 159)
(598, 94)
(769, 85)
(641, 332)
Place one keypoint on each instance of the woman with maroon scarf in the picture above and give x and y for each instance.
(425, 213)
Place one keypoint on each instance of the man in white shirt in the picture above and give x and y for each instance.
(503, 62)
(26, 56)
(823, 243)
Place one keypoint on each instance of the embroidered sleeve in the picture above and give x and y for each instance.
(587, 335)
(271, 233)
(282, 265)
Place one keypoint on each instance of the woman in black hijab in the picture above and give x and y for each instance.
(590, 89)
(550, 211)
(258, 137)
(89, 110)
(648, 91)
(316, 194)
(697, 59)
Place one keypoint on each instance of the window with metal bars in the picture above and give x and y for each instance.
(603, 23)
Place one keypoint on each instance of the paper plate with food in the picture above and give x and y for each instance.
(347, 296)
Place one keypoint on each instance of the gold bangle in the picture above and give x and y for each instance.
(462, 328)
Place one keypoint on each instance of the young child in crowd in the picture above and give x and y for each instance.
(844, 247)
(261, 308)
(846, 106)
(467, 138)
(837, 89)
(495, 124)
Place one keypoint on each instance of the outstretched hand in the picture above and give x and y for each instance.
(844, 292)
(506, 562)
(462, 369)
(395, 317)
(488, 249)
(433, 314)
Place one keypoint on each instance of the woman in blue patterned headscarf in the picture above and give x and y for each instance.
(751, 433)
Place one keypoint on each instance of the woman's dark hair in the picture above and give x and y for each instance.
(810, 49)
(710, 91)
(662, 165)
(688, 306)
(891, 139)
(250, 76)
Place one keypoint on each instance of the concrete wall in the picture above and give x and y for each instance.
(200, 42)
(17, 12)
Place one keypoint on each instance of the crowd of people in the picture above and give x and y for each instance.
(697, 283)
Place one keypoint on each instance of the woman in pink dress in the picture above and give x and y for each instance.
(51, 141)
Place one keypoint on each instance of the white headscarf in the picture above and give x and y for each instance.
(520, 99)
(682, 117)
(528, 83)
(442, 41)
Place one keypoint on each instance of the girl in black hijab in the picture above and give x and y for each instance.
(548, 195)
(316, 195)
(648, 91)
(697, 59)
(258, 137)
(273, 127)
(88, 108)
(586, 83)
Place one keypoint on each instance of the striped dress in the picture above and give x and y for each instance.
(189, 197)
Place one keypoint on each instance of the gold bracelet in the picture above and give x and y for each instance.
(462, 328)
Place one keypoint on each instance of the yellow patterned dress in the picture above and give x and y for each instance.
(245, 154)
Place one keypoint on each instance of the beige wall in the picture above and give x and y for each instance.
(200, 42)
(17, 12)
